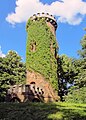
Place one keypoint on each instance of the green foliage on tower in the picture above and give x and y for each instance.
(41, 50)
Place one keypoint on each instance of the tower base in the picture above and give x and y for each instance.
(41, 86)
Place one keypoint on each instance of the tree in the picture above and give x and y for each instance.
(66, 73)
(82, 52)
(81, 78)
(77, 93)
(12, 71)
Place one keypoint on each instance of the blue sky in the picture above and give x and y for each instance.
(70, 15)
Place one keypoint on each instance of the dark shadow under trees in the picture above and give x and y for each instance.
(42, 111)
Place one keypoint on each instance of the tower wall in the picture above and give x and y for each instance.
(41, 53)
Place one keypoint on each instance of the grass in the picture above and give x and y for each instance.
(42, 111)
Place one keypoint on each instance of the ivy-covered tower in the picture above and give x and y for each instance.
(41, 54)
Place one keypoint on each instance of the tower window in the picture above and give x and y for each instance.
(32, 83)
(33, 46)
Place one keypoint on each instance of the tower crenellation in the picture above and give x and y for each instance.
(48, 18)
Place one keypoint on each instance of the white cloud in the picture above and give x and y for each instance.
(70, 11)
(1, 54)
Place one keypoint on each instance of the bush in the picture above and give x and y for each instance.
(77, 96)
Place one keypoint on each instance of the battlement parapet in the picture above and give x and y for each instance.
(47, 16)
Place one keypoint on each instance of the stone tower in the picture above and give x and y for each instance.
(41, 54)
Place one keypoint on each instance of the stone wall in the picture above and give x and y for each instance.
(40, 81)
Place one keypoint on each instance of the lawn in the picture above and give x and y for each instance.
(42, 111)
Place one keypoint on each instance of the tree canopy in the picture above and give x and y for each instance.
(66, 73)
(12, 71)
(77, 93)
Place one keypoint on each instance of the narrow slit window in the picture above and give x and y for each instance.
(33, 46)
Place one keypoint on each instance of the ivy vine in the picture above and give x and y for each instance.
(42, 59)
